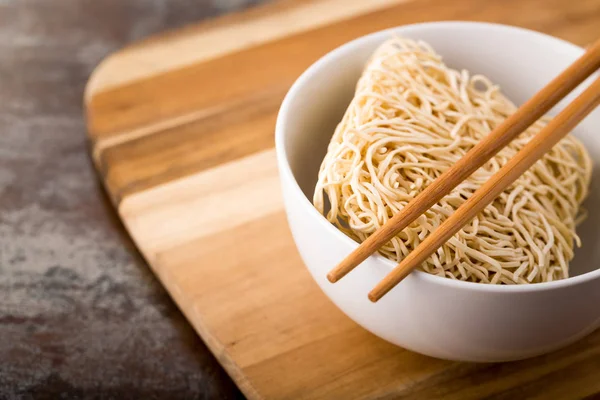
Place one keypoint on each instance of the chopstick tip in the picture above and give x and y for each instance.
(331, 277)
(373, 296)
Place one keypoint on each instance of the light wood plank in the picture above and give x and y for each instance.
(158, 56)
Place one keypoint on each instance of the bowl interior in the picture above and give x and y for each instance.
(520, 61)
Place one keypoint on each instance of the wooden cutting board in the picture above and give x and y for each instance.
(181, 128)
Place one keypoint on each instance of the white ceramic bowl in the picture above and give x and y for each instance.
(425, 313)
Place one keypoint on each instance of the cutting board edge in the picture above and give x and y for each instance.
(218, 350)
(93, 86)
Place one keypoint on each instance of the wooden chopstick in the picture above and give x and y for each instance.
(525, 115)
(539, 145)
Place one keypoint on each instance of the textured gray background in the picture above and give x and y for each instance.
(81, 316)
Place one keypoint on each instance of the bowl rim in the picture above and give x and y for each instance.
(286, 172)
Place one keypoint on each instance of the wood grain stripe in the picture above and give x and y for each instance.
(270, 22)
(207, 84)
(147, 161)
(204, 196)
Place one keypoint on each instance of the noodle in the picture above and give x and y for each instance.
(411, 118)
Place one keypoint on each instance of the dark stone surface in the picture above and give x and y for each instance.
(81, 315)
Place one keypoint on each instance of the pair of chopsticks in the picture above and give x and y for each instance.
(540, 144)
